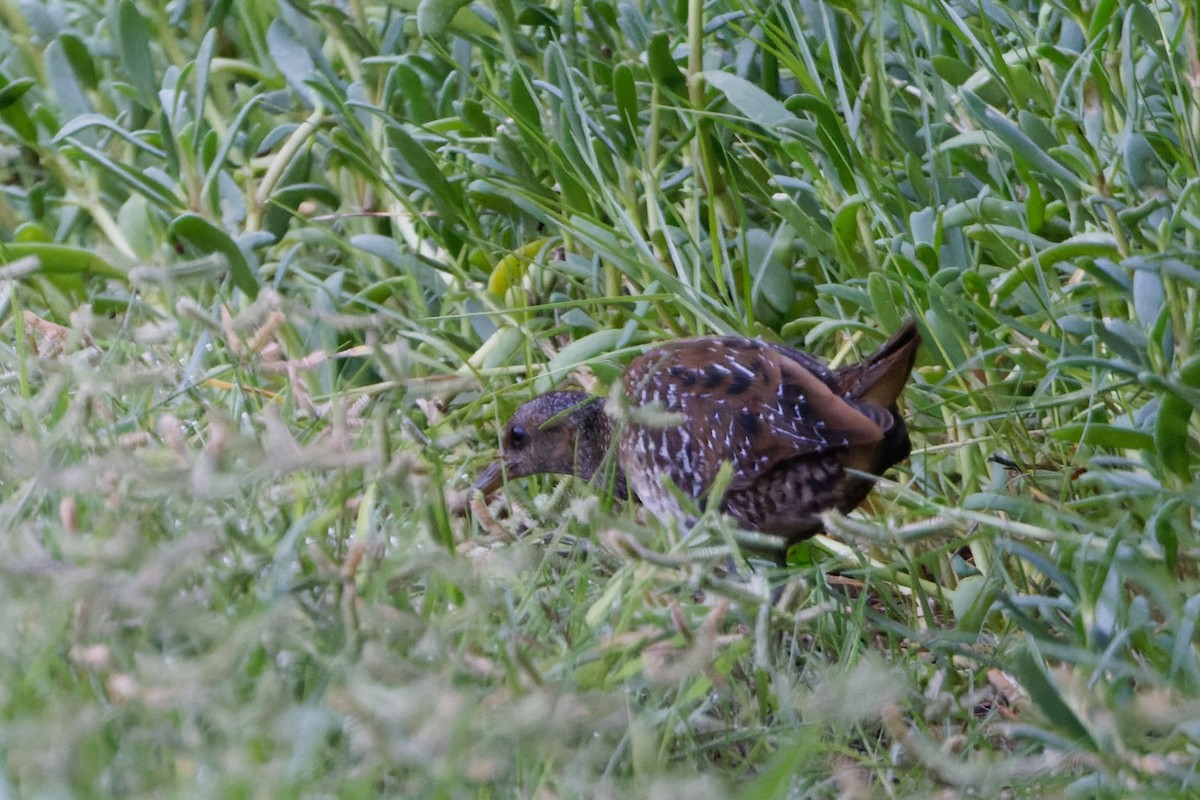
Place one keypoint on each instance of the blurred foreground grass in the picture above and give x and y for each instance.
(274, 274)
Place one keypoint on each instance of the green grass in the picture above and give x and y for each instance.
(274, 275)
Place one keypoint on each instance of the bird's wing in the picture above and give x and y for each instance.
(742, 401)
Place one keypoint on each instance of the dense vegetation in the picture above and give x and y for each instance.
(275, 273)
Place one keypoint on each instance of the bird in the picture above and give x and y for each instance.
(800, 438)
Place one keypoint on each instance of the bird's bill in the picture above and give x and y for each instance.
(491, 479)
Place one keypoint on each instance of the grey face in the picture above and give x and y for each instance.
(542, 436)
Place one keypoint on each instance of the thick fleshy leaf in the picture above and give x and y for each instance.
(434, 16)
(208, 238)
(758, 106)
(133, 48)
(1174, 413)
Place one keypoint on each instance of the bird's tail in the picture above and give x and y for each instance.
(879, 379)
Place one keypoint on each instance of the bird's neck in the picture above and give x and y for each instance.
(595, 455)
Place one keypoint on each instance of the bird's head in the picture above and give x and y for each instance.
(557, 432)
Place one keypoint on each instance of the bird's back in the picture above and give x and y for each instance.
(787, 424)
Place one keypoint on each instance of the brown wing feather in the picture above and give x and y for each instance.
(743, 401)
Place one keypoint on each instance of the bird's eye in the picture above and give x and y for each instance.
(517, 437)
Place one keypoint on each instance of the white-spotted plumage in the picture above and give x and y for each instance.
(789, 426)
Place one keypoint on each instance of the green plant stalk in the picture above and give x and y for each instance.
(279, 164)
(705, 158)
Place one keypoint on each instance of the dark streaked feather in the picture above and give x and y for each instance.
(789, 426)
